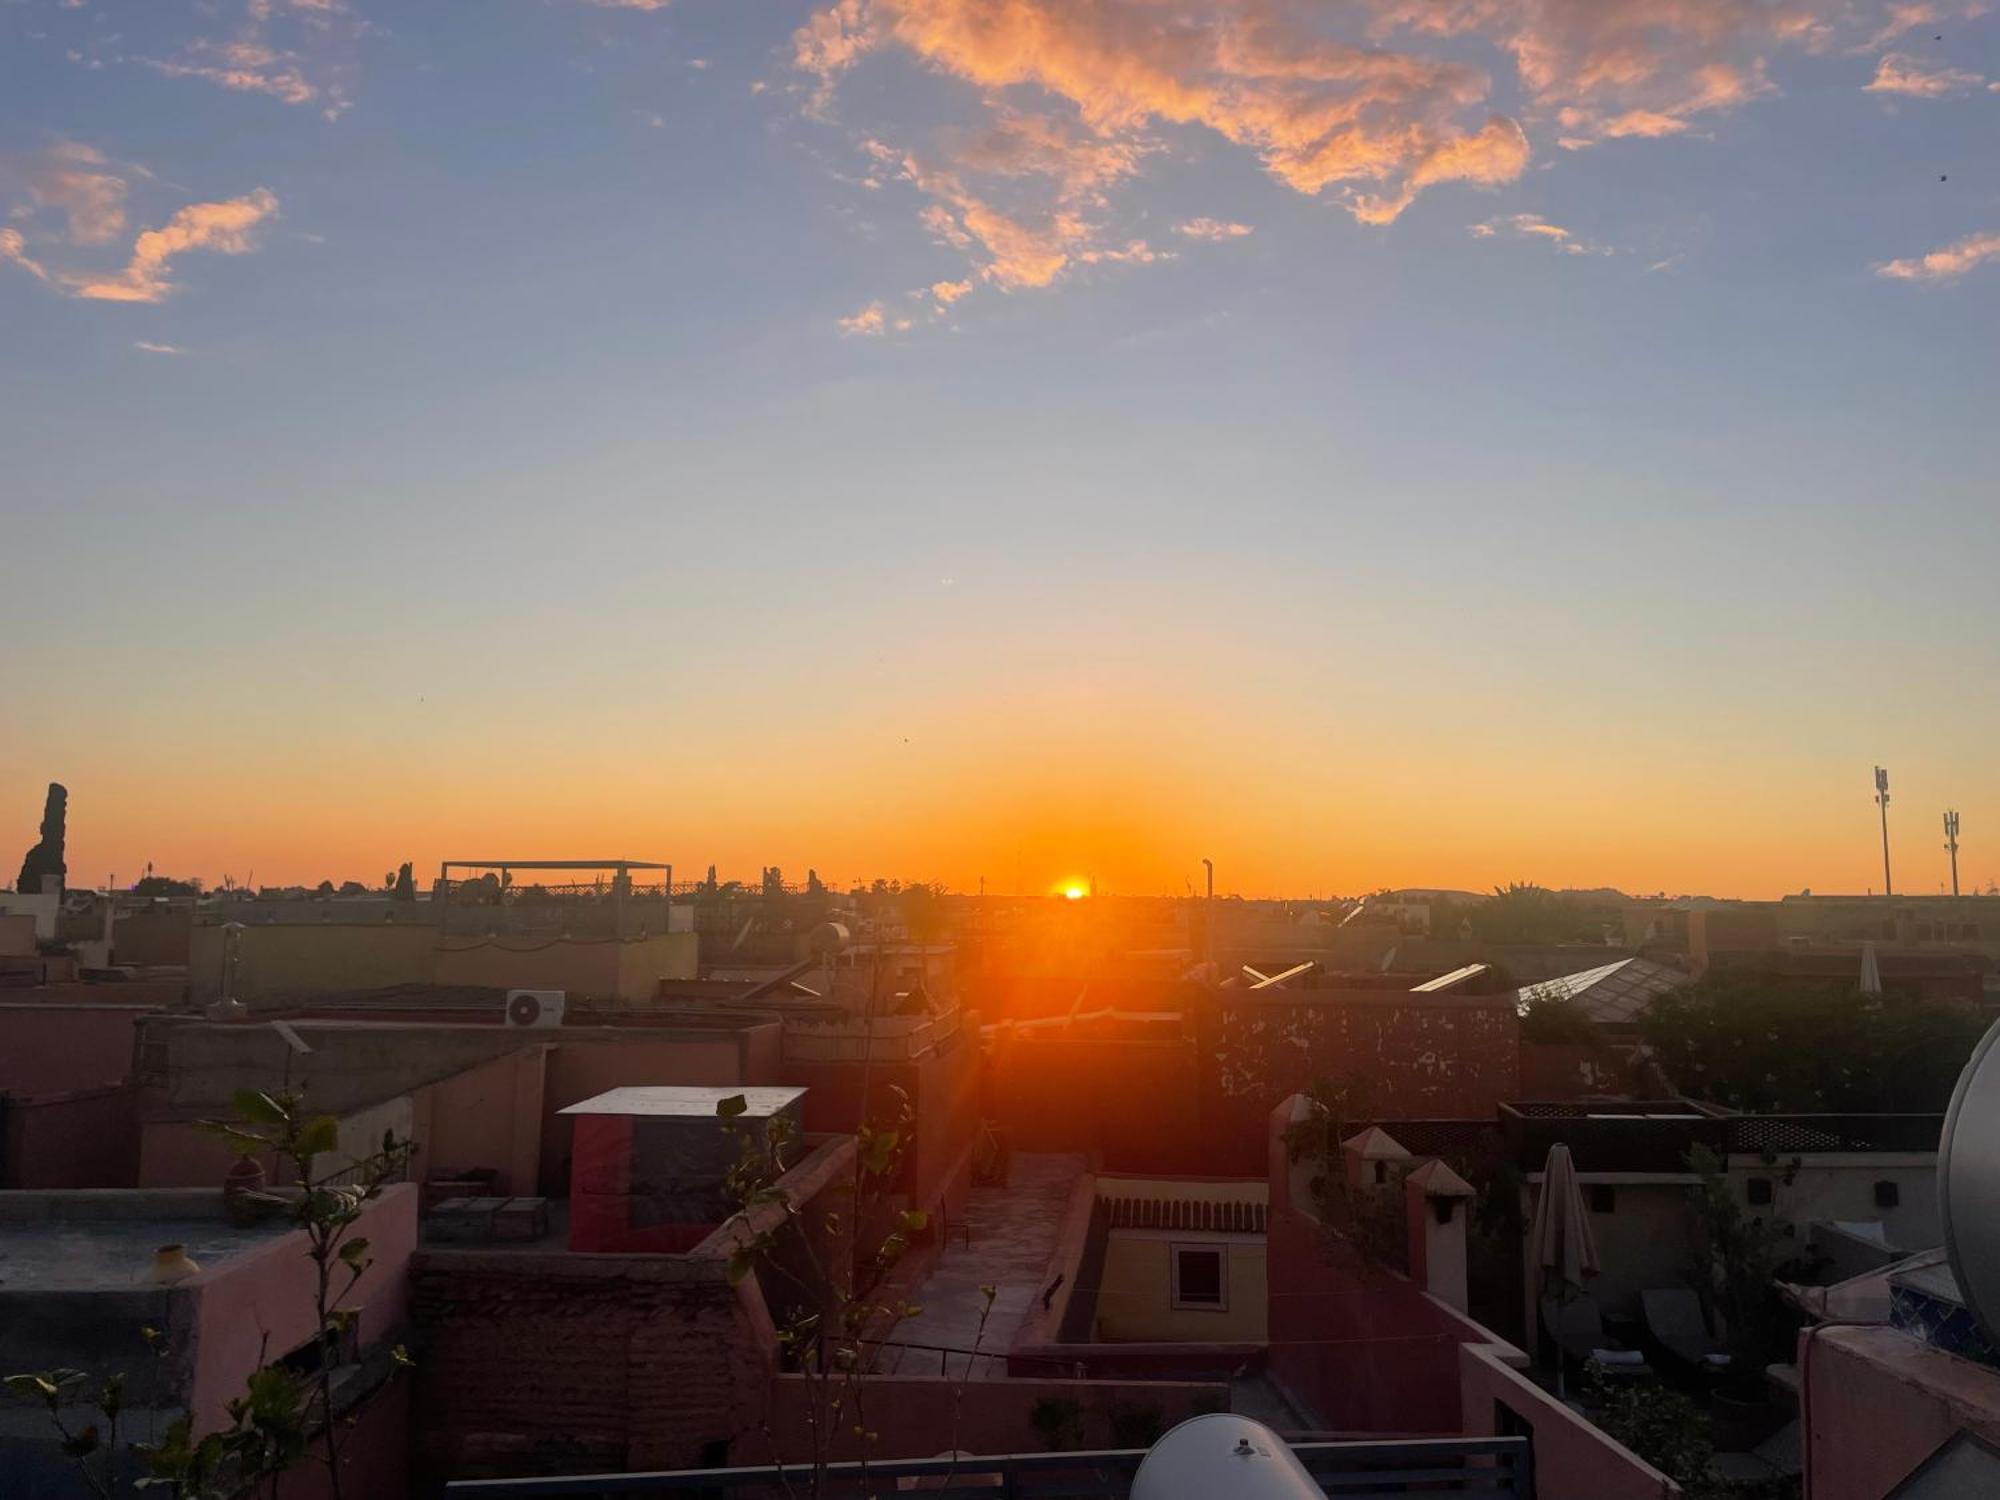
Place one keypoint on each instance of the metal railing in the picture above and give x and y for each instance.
(1430, 1466)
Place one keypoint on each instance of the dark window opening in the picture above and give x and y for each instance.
(1887, 1194)
(1758, 1190)
(1198, 1276)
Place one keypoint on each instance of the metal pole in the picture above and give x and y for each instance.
(1951, 843)
(1882, 801)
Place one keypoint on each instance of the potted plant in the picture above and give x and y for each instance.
(1736, 1267)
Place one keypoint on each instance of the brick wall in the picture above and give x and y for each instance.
(536, 1364)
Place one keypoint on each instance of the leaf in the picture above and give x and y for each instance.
(741, 1264)
(399, 1356)
(914, 1220)
(353, 1252)
(730, 1108)
(81, 1444)
(257, 1107)
(877, 1151)
(242, 1142)
(321, 1134)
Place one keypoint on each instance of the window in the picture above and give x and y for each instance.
(1198, 1278)
(1381, 1173)
(1758, 1191)
(1603, 1198)
(1887, 1194)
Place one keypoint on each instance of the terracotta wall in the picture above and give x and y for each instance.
(88, 1138)
(1573, 1460)
(51, 1049)
(1134, 1104)
(310, 958)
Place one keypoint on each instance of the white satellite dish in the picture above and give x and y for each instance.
(1969, 1183)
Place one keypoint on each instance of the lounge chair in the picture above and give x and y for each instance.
(1577, 1326)
(1674, 1321)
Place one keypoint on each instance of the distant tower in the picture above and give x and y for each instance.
(1882, 801)
(1951, 844)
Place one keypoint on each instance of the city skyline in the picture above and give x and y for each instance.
(1370, 445)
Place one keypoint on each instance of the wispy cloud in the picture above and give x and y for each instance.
(225, 228)
(14, 251)
(948, 292)
(873, 321)
(151, 348)
(1535, 227)
(74, 180)
(295, 51)
(1213, 229)
(1946, 264)
(1899, 73)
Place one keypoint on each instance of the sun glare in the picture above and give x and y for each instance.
(1074, 893)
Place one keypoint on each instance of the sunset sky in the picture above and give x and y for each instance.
(1387, 442)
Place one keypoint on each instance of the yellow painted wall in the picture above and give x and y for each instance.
(1135, 1300)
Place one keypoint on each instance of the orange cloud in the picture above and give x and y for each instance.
(1899, 73)
(871, 321)
(74, 180)
(948, 292)
(14, 250)
(247, 67)
(1535, 227)
(226, 228)
(1947, 264)
(1212, 229)
(314, 69)
(1318, 112)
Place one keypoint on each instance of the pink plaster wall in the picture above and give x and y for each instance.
(487, 1116)
(1573, 1460)
(1877, 1403)
(52, 1049)
(259, 1306)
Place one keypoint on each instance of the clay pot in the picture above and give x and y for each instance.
(172, 1264)
(244, 1178)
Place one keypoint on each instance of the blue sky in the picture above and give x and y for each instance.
(1484, 441)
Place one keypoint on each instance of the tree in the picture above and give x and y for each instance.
(406, 883)
(272, 1425)
(1805, 1050)
(839, 1323)
(45, 860)
(164, 885)
(1530, 914)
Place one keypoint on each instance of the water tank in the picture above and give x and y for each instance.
(1223, 1457)
(828, 937)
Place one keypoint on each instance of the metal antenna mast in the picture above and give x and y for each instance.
(1882, 801)
(1951, 844)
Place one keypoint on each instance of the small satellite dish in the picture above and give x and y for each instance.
(1969, 1182)
(828, 938)
(291, 1036)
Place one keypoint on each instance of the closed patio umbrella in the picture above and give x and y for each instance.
(1871, 971)
(1560, 1239)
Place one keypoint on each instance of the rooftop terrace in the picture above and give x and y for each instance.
(104, 1241)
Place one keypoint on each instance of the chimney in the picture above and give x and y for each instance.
(1438, 1201)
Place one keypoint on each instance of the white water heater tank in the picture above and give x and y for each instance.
(1222, 1456)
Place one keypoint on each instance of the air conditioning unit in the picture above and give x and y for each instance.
(536, 1007)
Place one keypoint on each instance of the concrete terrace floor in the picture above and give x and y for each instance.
(1011, 1233)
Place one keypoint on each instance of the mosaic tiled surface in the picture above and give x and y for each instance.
(1940, 1322)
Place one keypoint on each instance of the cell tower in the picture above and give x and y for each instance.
(1882, 801)
(1951, 844)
